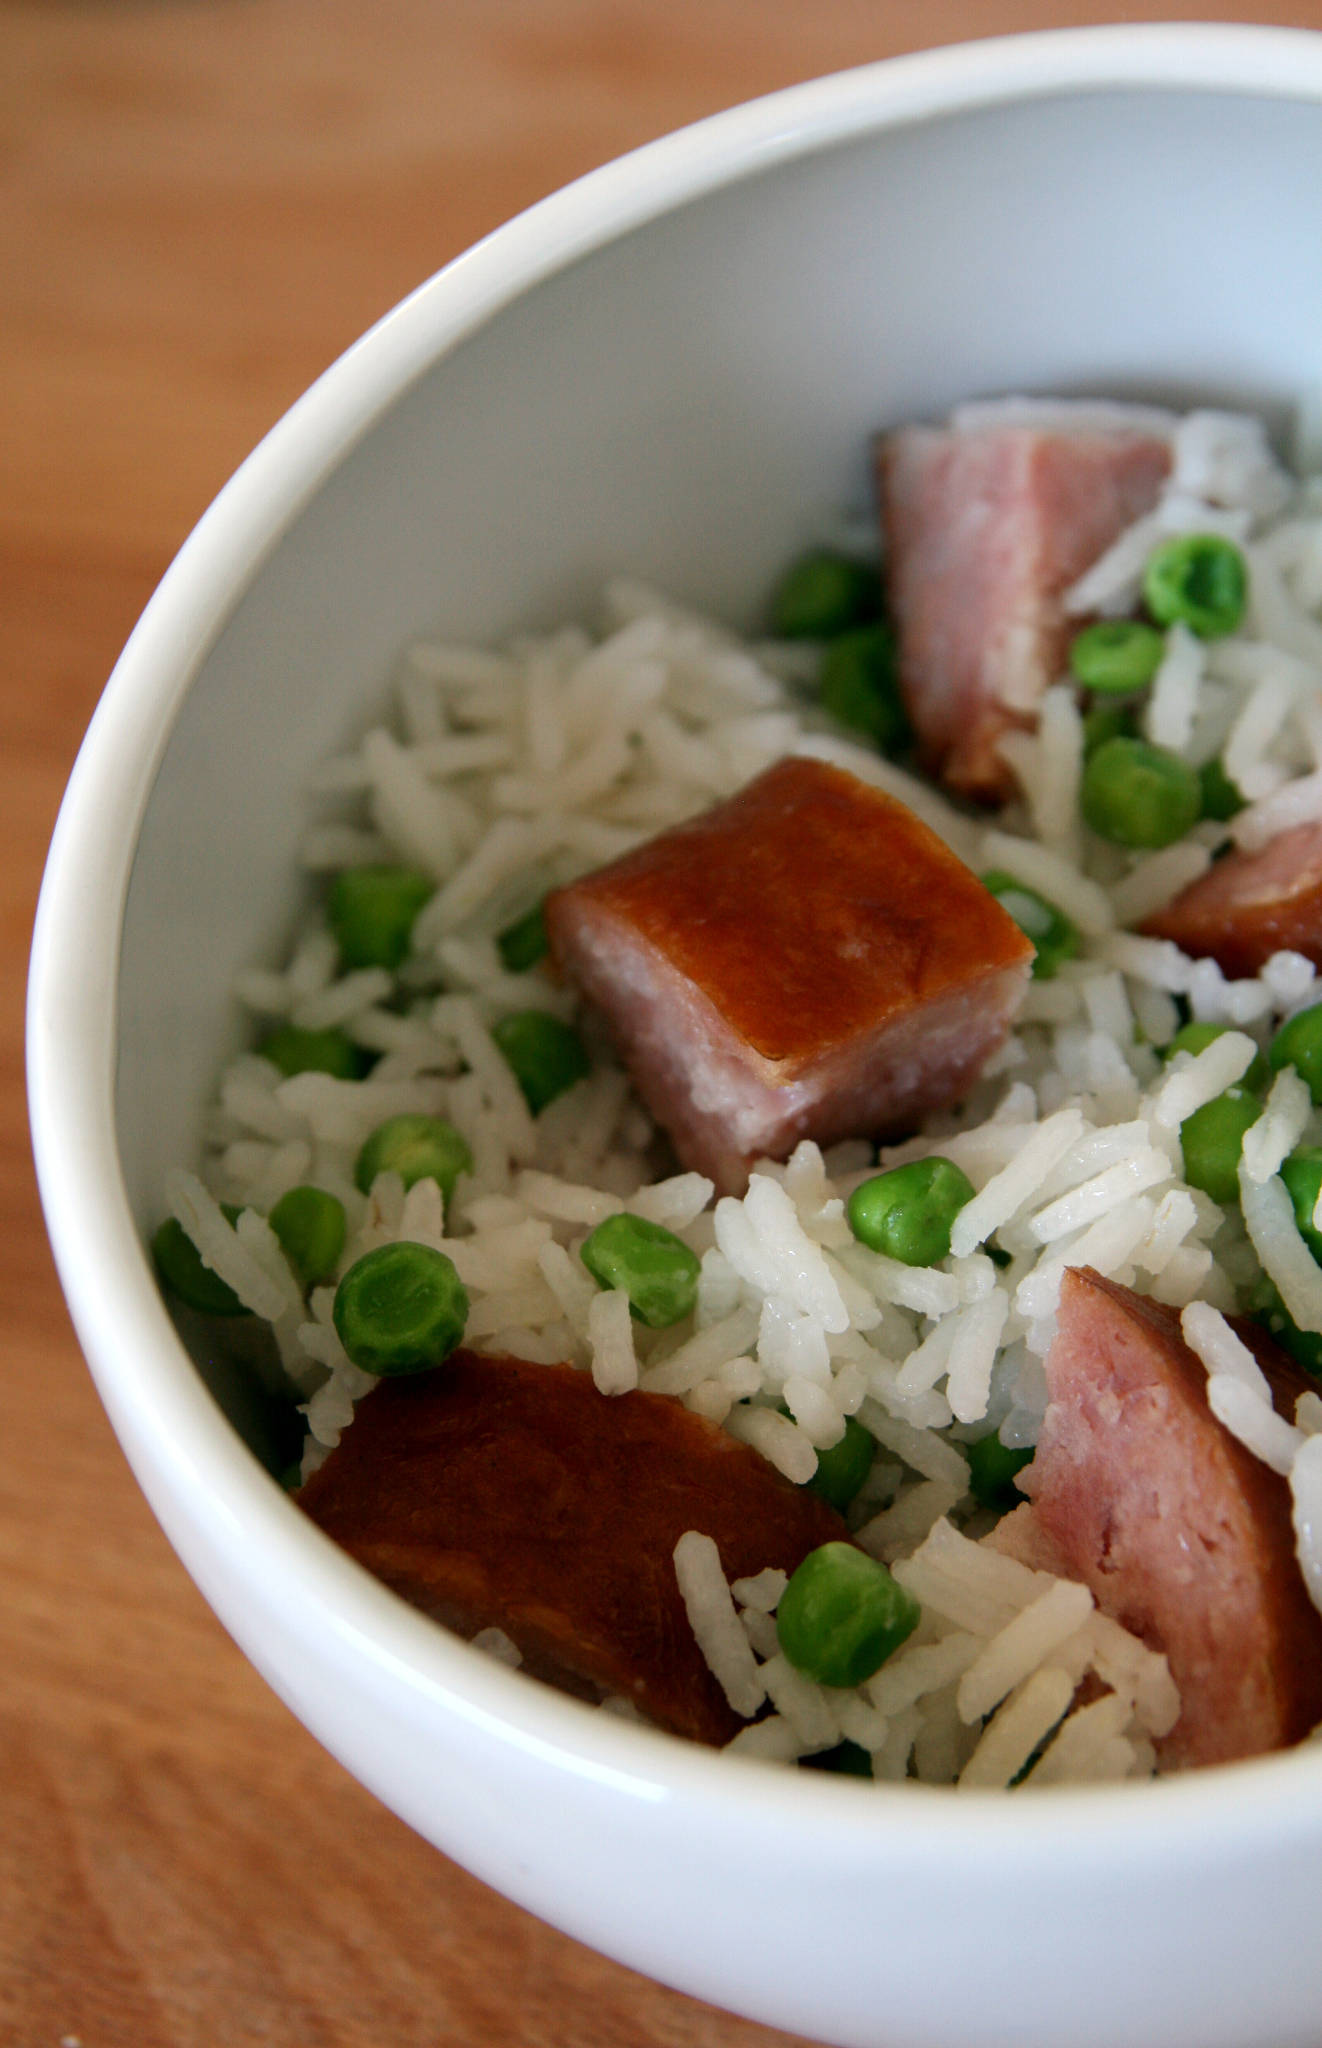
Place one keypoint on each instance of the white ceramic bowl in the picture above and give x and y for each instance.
(674, 365)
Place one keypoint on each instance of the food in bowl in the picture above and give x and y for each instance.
(920, 1366)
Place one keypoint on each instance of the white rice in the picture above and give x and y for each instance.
(918, 1507)
(802, 1703)
(1286, 1259)
(1198, 1080)
(1015, 1185)
(1153, 881)
(781, 1441)
(1172, 706)
(1009, 1739)
(714, 1621)
(1017, 1649)
(610, 1340)
(1306, 1489)
(1088, 1746)
(1285, 1118)
(1254, 1422)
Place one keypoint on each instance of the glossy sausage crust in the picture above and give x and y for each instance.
(984, 531)
(1179, 1531)
(806, 960)
(495, 1493)
(1251, 905)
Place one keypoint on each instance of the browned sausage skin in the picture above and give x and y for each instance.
(1181, 1534)
(807, 960)
(1251, 905)
(495, 1493)
(984, 531)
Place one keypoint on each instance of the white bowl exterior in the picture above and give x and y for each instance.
(675, 367)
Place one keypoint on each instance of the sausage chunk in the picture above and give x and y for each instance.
(807, 960)
(1182, 1535)
(984, 531)
(1251, 905)
(494, 1493)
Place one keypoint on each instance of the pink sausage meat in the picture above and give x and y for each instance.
(1181, 1534)
(492, 1493)
(1251, 905)
(984, 531)
(807, 960)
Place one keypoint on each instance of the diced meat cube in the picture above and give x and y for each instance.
(1181, 1534)
(984, 532)
(1251, 905)
(492, 1493)
(807, 960)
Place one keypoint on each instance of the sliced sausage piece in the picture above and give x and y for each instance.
(1182, 1535)
(984, 531)
(1020, 1535)
(1251, 905)
(807, 960)
(494, 1493)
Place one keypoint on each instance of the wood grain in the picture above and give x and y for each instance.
(201, 203)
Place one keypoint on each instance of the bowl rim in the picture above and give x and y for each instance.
(196, 1472)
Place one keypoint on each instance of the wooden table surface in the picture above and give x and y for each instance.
(201, 203)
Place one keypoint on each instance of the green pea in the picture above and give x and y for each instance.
(847, 1759)
(842, 1469)
(1303, 1346)
(1212, 1140)
(546, 1056)
(824, 594)
(842, 1615)
(1221, 799)
(1196, 1038)
(655, 1268)
(860, 686)
(992, 1469)
(315, 1052)
(179, 1265)
(1135, 794)
(1298, 1044)
(525, 942)
(907, 1213)
(400, 1308)
(1302, 1174)
(372, 911)
(1103, 722)
(417, 1148)
(1054, 936)
(1115, 657)
(310, 1225)
(1198, 580)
